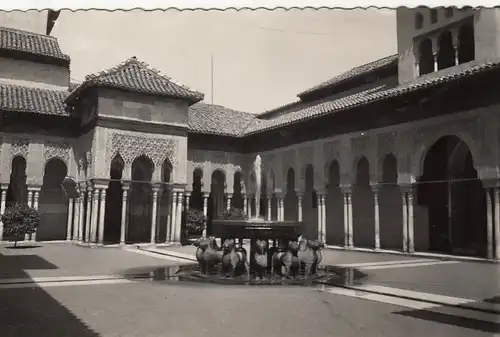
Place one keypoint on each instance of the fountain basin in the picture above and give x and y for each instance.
(257, 229)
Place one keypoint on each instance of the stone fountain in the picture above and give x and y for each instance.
(279, 255)
(271, 242)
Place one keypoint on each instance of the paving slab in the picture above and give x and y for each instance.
(154, 310)
(67, 259)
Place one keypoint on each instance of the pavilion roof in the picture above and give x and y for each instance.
(34, 100)
(351, 74)
(136, 76)
(31, 43)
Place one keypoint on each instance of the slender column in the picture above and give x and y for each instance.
(250, 206)
(188, 196)
(158, 212)
(269, 208)
(3, 197)
(154, 214)
(94, 219)
(205, 212)
(323, 216)
(69, 221)
(88, 215)
(454, 34)
(435, 61)
(228, 200)
(179, 217)
(30, 204)
(376, 190)
(123, 225)
(497, 222)
(346, 221)
(405, 220)
(245, 205)
(102, 212)
(349, 211)
(76, 218)
(299, 205)
(36, 196)
(320, 222)
(81, 217)
(489, 223)
(411, 241)
(282, 207)
(173, 217)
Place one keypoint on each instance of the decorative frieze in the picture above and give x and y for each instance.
(132, 146)
(59, 150)
(19, 147)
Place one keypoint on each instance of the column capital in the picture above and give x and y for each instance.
(490, 183)
(229, 195)
(4, 186)
(376, 188)
(206, 194)
(407, 188)
(321, 192)
(346, 189)
(125, 185)
(34, 187)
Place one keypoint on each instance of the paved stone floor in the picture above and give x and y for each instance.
(65, 290)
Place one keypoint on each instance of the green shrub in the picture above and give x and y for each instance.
(19, 220)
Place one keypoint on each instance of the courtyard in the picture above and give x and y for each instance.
(68, 290)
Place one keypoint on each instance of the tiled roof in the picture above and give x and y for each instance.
(31, 43)
(370, 96)
(134, 75)
(72, 86)
(218, 120)
(354, 72)
(34, 100)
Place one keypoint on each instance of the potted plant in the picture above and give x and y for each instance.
(195, 223)
(19, 220)
(234, 214)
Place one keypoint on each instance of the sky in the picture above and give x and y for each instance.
(261, 59)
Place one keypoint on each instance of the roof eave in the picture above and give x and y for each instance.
(79, 91)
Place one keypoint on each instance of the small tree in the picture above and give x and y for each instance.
(19, 220)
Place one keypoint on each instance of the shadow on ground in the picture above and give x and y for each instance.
(458, 321)
(32, 311)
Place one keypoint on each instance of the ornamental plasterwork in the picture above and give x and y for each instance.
(56, 150)
(288, 161)
(359, 146)
(19, 147)
(306, 157)
(196, 158)
(331, 151)
(386, 144)
(132, 146)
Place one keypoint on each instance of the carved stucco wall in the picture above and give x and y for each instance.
(409, 143)
(210, 161)
(37, 151)
(131, 145)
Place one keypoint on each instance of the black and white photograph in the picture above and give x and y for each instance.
(242, 172)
